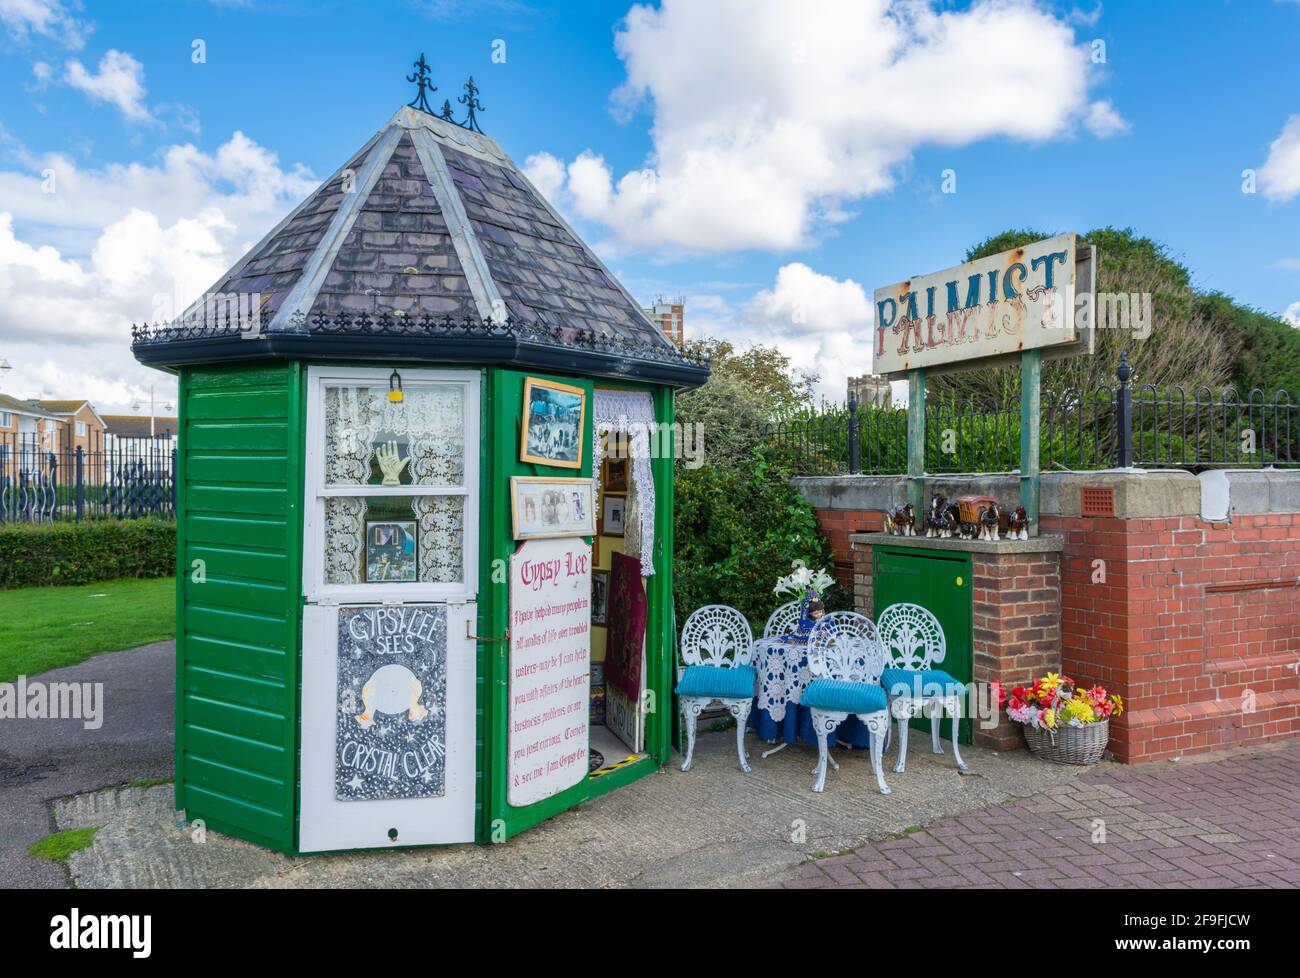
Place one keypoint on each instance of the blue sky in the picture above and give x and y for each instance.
(773, 170)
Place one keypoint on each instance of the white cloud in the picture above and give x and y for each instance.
(1103, 120)
(47, 18)
(1292, 314)
(823, 324)
(125, 244)
(1279, 177)
(119, 81)
(770, 116)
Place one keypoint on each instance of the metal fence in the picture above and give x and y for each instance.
(1111, 427)
(124, 479)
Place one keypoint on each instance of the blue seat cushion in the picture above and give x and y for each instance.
(843, 696)
(736, 683)
(920, 682)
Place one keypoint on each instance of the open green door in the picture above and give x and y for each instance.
(938, 581)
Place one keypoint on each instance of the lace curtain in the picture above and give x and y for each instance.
(628, 418)
(428, 425)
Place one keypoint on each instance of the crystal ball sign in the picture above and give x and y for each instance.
(390, 724)
(550, 668)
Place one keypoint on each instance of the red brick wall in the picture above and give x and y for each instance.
(837, 524)
(1196, 624)
(1016, 628)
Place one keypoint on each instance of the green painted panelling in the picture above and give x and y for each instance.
(259, 693)
(237, 377)
(260, 725)
(227, 562)
(239, 595)
(223, 436)
(262, 532)
(237, 404)
(242, 815)
(234, 782)
(239, 626)
(256, 469)
(216, 653)
(237, 647)
(253, 500)
(248, 754)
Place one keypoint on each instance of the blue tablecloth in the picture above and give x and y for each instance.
(796, 728)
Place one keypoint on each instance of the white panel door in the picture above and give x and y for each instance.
(387, 726)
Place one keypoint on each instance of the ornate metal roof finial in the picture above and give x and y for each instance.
(446, 111)
(421, 77)
(471, 102)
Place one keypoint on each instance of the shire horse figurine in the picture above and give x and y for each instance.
(1018, 525)
(990, 517)
(901, 521)
(934, 520)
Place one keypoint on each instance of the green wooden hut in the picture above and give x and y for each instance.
(367, 653)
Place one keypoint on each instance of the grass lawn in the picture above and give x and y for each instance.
(43, 628)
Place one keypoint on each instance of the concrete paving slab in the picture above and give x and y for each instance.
(711, 827)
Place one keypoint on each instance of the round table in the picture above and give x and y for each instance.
(782, 665)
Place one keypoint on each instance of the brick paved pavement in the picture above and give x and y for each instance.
(1229, 819)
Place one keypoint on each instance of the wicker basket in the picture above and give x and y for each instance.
(1070, 745)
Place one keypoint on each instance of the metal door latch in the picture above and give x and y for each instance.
(484, 638)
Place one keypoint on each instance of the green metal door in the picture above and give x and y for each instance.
(938, 581)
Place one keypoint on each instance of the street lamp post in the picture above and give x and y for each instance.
(136, 405)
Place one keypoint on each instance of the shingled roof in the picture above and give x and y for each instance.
(428, 244)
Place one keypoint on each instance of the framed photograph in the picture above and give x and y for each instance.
(614, 515)
(542, 507)
(599, 597)
(390, 550)
(614, 475)
(553, 423)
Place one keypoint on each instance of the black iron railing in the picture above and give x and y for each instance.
(121, 479)
(1110, 427)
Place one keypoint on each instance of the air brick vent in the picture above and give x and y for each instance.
(1097, 501)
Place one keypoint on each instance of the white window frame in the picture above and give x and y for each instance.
(316, 492)
(81, 429)
(6, 419)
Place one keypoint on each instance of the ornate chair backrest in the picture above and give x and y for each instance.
(911, 636)
(782, 621)
(717, 635)
(844, 645)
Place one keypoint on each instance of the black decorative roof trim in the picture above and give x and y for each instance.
(422, 338)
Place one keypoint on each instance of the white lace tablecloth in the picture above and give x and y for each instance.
(782, 666)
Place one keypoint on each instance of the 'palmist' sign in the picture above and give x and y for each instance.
(1021, 299)
(391, 718)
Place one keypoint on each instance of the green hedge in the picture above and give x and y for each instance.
(82, 553)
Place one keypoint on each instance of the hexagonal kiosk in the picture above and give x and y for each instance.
(420, 599)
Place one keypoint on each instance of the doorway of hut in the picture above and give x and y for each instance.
(622, 561)
(628, 634)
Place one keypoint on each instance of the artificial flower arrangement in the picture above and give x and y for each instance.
(804, 583)
(1054, 701)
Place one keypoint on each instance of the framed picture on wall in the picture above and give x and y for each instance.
(614, 515)
(546, 507)
(599, 597)
(614, 475)
(390, 550)
(554, 418)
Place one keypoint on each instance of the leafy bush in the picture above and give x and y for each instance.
(82, 553)
(737, 530)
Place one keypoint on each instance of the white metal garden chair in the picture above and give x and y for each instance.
(717, 646)
(914, 644)
(782, 621)
(845, 656)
